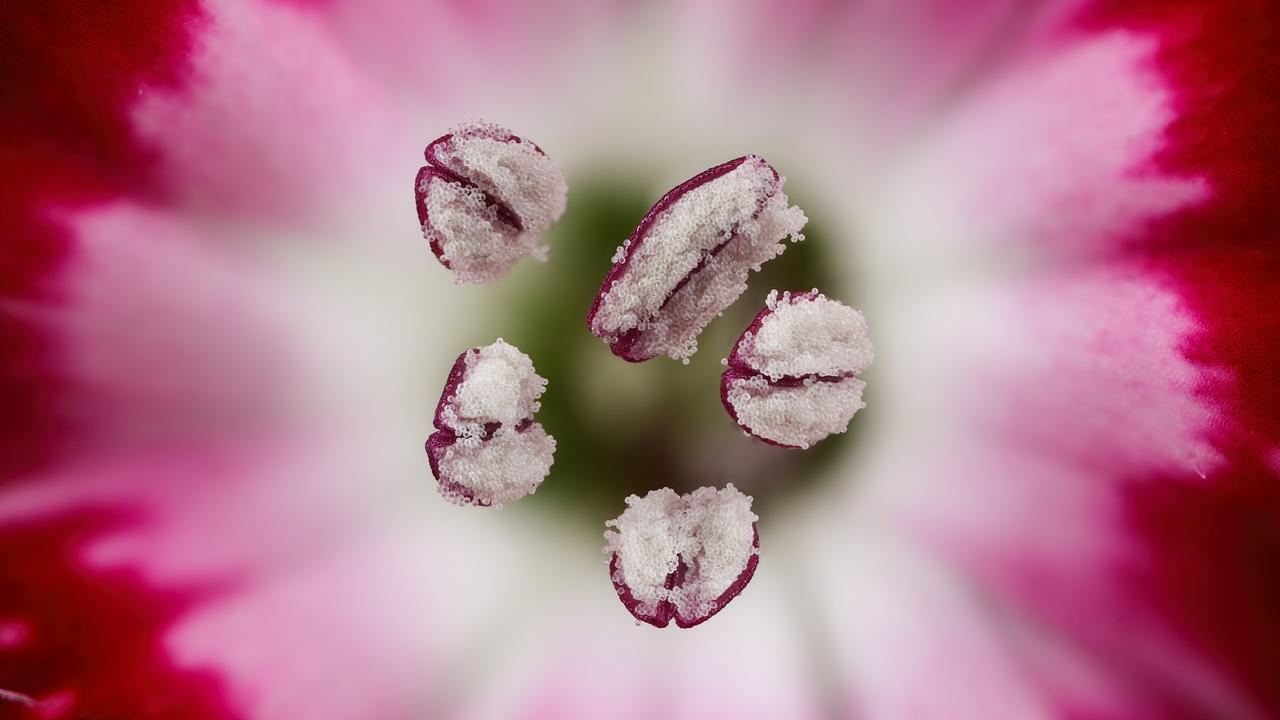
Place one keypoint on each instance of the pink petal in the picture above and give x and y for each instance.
(281, 128)
(74, 66)
(1171, 427)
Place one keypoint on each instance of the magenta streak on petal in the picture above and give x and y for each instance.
(665, 610)
(17, 698)
(741, 368)
(642, 230)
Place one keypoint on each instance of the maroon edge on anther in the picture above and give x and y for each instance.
(741, 369)
(662, 613)
(437, 444)
(726, 384)
(505, 213)
(420, 187)
(623, 345)
(665, 611)
(735, 357)
(445, 437)
(436, 168)
(457, 374)
(734, 589)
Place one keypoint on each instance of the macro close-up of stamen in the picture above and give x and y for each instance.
(841, 360)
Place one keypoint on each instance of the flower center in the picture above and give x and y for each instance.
(625, 428)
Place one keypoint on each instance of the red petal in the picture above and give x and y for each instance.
(70, 73)
(90, 641)
(1214, 543)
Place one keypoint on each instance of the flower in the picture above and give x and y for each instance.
(222, 338)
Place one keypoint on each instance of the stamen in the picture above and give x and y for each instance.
(689, 257)
(682, 557)
(484, 199)
(487, 450)
(791, 379)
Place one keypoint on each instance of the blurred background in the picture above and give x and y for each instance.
(222, 338)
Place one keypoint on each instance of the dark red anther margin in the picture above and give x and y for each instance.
(739, 368)
(436, 168)
(666, 611)
(624, 345)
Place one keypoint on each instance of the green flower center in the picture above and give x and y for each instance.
(624, 428)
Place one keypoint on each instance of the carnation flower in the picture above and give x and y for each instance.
(223, 337)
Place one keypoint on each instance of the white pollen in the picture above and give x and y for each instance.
(488, 451)
(500, 386)
(808, 334)
(717, 232)
(796, 416)
(474, 239)
(708, 534)
(501, 469)
(792, 381)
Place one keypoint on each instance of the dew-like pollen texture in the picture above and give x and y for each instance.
(689, 259)
(487, 450)
(792, 376)
(484, 199)
(682, 557)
